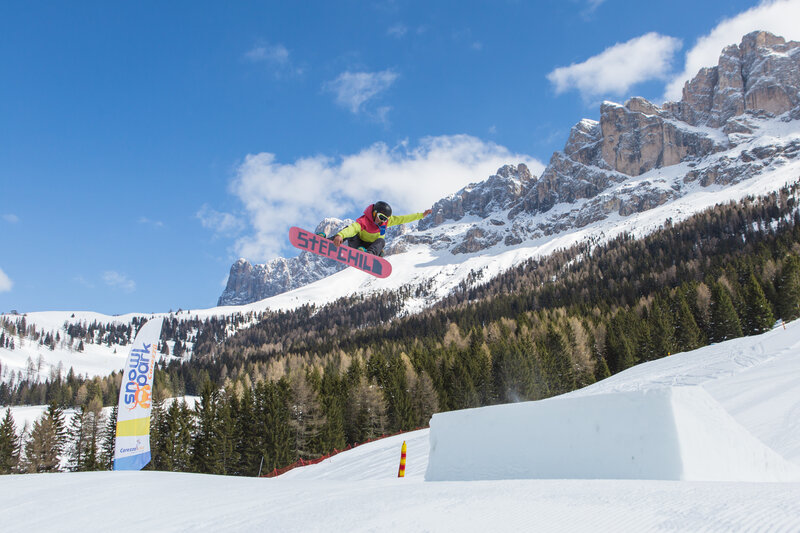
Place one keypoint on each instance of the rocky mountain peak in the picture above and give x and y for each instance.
(759, 75)
(497, 193)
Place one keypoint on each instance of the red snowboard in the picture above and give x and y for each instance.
(369, 263)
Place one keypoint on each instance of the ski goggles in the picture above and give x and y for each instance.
(382, 217)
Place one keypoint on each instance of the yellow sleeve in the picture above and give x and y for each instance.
(350, 231)
(404, 219)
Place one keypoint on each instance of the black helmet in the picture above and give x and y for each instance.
(382, 207)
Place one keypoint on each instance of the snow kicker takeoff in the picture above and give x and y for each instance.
(367, 262)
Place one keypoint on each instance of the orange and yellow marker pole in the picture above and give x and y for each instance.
(402, 471)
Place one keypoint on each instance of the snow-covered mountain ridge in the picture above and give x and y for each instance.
(735, 122)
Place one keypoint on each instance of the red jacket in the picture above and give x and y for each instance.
(368, 231)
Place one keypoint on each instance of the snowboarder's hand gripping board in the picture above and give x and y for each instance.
(369, 263)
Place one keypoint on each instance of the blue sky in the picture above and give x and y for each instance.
(145, 146)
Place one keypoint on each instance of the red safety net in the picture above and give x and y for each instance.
(306, 462)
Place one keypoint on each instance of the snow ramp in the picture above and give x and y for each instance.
(675, 433)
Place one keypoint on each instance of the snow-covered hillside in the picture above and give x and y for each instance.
(753, 383)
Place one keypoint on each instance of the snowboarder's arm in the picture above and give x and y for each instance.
(405, 219)
(350, 231)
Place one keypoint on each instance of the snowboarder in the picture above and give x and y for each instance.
(367, 232)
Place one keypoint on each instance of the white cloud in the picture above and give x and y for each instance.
(10, 218)
(618, 68)
(592, 5)
(354, 89)
(220, 223)
(147, 222)
(779, 17)
(276, 54)
(118, 281)
(276, 57)
(83, 281)
(411, 178)
(5, 282)
(398, 30)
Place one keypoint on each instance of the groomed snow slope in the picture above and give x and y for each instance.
(756, 380)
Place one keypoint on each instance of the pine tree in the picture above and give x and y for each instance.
(556, 361)
(273, 414)
(156, 438)
(687, 334)
(332, 399)
(459, 385)
(580, 349)
(662, 329)
(700, 305)
(512, 368)
(56, 414)
(619, 350)
(184, 424)
(479, 365)
(207, 456)
(247, 447)
(601, 370)
(306, 417)
(725, 323)
(86, 430)
(93, 433)
(42, 448)
(424, 400)
(176, 426)
(109, 441)
(226, 432)
(77, 444)
(366, 411)
(788, 305)
(395, 389)
(9, 445)
(758, 313)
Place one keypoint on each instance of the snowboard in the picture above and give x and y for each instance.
(311, 242)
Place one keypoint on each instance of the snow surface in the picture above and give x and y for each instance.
(675, 433)
(730, 397)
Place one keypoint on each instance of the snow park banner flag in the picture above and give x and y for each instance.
(132, 448)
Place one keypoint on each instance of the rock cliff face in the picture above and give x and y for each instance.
(249, 283)
(760, 75)
(636, 157)
(639, 137)
(496, 194)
